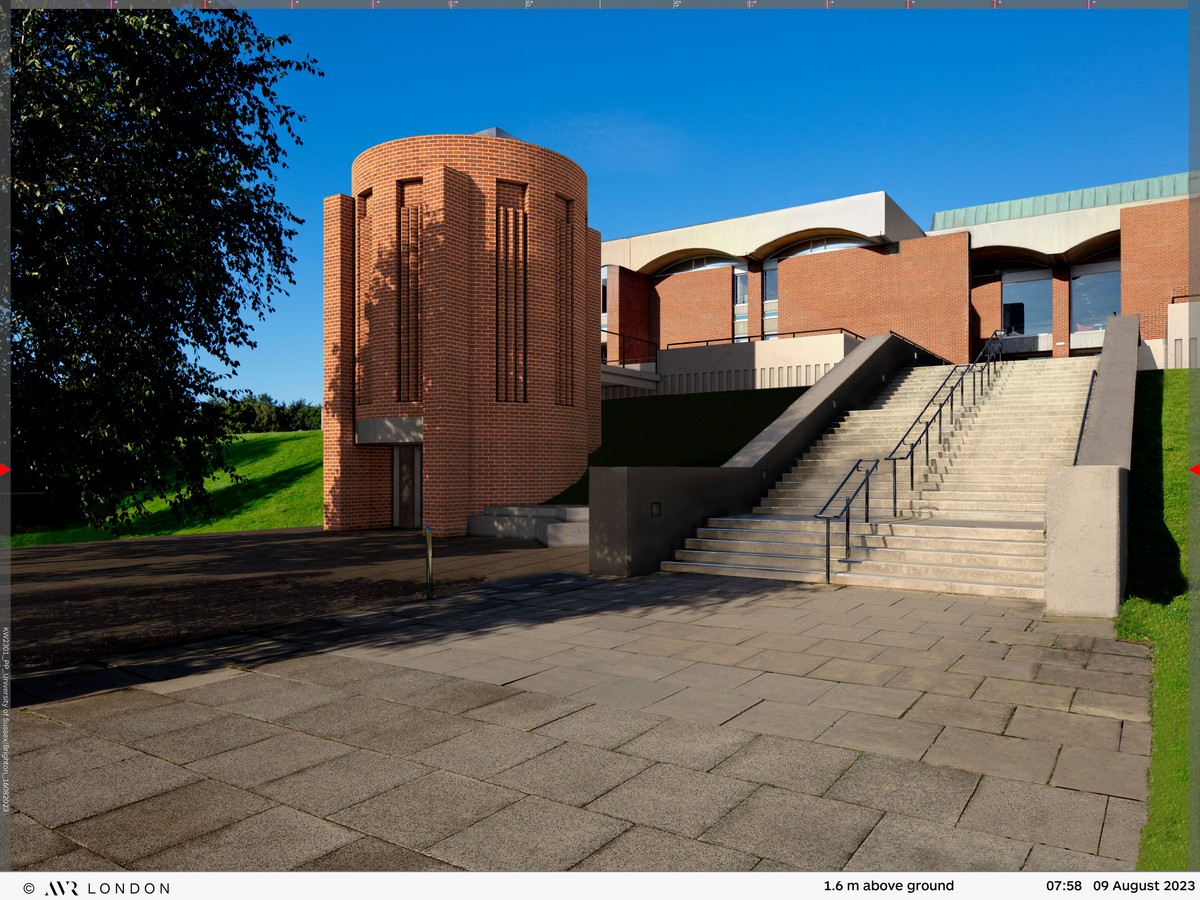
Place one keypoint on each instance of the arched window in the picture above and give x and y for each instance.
(693, 263)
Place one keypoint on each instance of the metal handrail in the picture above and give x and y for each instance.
(650, 357)
(1083, 421)
(1183, 297)
(845, 512)
(749, 338)
(984, 366)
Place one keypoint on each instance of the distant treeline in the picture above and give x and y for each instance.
(258, 413)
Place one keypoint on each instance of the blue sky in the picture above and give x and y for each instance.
(681, 117)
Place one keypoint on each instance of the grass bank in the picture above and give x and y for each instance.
(680, 430)
(282, 489)
(1157, 609)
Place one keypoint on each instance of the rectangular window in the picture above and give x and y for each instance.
(1027, 302)
(1095, 295)
(511, 237)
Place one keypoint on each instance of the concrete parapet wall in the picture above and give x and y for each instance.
(1086, 540)
(786, 362)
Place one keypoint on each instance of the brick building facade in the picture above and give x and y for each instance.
(461, 301)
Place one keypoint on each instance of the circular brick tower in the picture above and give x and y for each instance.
(462, 364)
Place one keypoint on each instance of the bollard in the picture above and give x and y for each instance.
(428, 563)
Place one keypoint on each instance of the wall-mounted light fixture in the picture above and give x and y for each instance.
(655, 509)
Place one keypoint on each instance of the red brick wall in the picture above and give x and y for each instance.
(986, 310)
(921, 291)
(695, 306)
(1060, 299)
(477, 451)
(631, 313)
(1154, 262)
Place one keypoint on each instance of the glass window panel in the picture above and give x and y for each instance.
(1094, 297)
(770, 284)
(1027, 307)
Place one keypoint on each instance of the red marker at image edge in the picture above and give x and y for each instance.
(4, 470)
(1195, 470)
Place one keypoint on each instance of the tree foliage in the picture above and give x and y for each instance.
(147, 240)
(259, 413)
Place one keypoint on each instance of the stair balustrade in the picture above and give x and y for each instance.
(864, 484)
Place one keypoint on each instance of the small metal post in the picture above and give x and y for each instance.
(827, 551)
(867, 506)
(428, 563)
(895, 508)
(940, 421)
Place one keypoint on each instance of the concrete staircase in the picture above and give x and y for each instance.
(551, 526)
(975, 522)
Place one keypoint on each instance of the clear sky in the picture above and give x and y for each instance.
(680, 117)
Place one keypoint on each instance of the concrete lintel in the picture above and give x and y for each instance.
(1086, 540)
(390, 430)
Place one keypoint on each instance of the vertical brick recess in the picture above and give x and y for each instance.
(1061, 310)
(416, 242)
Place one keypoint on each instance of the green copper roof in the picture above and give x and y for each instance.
(1087, 198)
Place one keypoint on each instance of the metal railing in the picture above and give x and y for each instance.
(1184, 298)
(745, 339)
(982, 371)
(1082, 422)
(863, 484)
(630, 349)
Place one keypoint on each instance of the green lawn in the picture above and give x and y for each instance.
(1157, 609)
(282, 489)
(680, 430)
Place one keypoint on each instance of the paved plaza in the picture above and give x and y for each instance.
(561, 721)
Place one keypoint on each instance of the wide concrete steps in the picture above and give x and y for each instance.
(551, 526)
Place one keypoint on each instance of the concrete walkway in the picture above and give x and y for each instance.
(672, 722)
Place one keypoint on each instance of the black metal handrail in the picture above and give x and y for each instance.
(864, 483)
(1182, 298)
(651, 355)
(983, 368)
(1082, 422)
(745, 338)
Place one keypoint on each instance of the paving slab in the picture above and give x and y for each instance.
(342, 781)
(346, 716)
(410, 732)
(977, 715)
(796, 765)
(903, 844)
(158, 822)
(261, 696)
(32, 732)
(905, 639)
(1117, 706)
(1135, 738)
(560, 681)
(994, 754)
(908, 787)
(785, 662)
(525, 711)
(846, 650)
(1102, 772)
(485, 751)
(1026, 693)
(720, 654)
(710, 677)
(459, 695)
(694, 704)
(879, 734)
(629, 693)
(373, 855)
(58, 761)
(785, 688)
(397, 685)
(1054, 859)
(275, 840)
(269, 759)
(996, 668)
(590, 659)
(643, 849)
(1039, 813)
(935, 682)
(1123, 822)
(423, 812)
(601, 726)
(31, 843)
(787, 719)
(1066, 728)
(76, 861)
(92, 711)
(694, 745)
(880, 701)
(790, 643)
(682, 801)
(574, 774)
(532, 835)
(228, 732)
(855, 672)
(1107, 682)
(99, 790)
(810, 833)
(328, 669)
(445, 662)
(501, 670)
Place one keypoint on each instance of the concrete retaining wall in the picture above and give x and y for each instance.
(640, 516)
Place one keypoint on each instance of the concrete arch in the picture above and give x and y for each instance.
(769, 249)
(666, 260)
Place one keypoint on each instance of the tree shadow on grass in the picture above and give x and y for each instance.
(1155, 572)
(229, 500)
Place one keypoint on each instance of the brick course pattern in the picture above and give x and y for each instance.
(1154, 262)
(416, 246)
